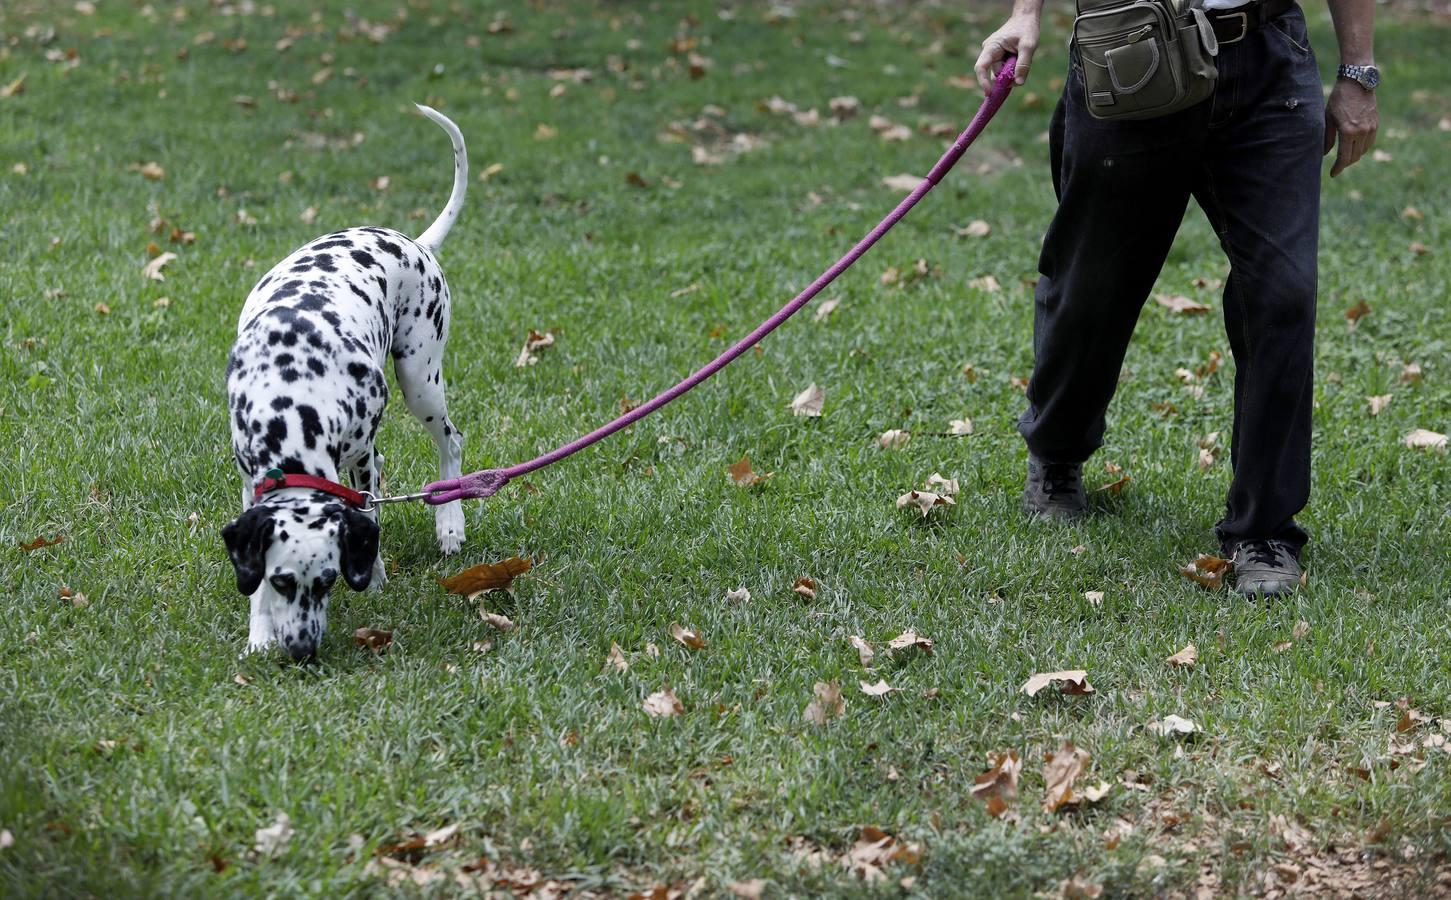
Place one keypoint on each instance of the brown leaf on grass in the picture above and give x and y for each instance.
(844, 107)
(825, 308)
(39, 542)
(738, 596)
(374, 639)
(14, 88)
(874, 850)
(497, 576)
(809, 402)
(865, 653)
(533, 342)
(1423, 439)
(742, 475)
(272, 840)
(977, 228)
(1207, 570)
(1411, 373)
(998, 786)
(152, 269)
(894, 439)
(1357, 312)
(616, 658)
(959, 427)
(1378, 403)
(663, 704)
(1172, 726)
(1079, 888)
(985, 283)
(1060, 770)
(828, 703)
(1185, 658)
(1301, 629)
(750, 889)
(1114, 487)
(103, 309)
(924, 501)
(911, 640)
(1095, 598)
(902, 182)
(1178, 303)
(151, 171)
(498, 620)
(686, 637)
(77, 599)
(1073, 682)
(941, 484)
(805, 587)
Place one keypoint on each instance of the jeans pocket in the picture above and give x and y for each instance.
(1291, 28)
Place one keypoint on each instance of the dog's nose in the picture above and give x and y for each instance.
(301, 649)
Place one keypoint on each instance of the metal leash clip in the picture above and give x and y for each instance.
(372, 501)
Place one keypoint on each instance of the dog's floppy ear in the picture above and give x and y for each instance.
(247, 539)
(358, 546)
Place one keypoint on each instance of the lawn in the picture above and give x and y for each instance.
(636, 191)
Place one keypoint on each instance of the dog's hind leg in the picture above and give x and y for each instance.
(420, 377)
(367, 475)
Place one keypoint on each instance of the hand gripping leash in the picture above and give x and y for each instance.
(487, 482)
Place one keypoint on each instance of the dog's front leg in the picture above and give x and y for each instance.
(367, 475)
(261, 633)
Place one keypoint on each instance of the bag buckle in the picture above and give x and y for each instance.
(1243, 27)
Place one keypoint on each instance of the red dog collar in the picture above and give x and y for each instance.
(276, 479)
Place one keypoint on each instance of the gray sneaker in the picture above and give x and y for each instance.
(1268, 568)
(1054, 490)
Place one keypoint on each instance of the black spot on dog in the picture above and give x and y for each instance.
(311, 303)
(311, 425)
(281, 403)
(276, 433)
(365, 259)
(339, 242)
(316, 367)
(390, 248)
(357, 371)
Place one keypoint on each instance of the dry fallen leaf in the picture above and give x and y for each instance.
(686, 636)
(151, 171)
(153, 268)
(1114, 487)
(1207, 570)
(13, 89)
(902, 182)
(976, 228)
(498, 620)
(998, 786)
(986, 283)
(272, 840)
(828, 703)
(1185, 658)
(1357, 312)
(533, 341)
(616, 658)
(875, 849)
(1411, 373)
(741, 474)
(806, 587)
(809, 402)
(39, 542)
(738, 596)
(663, 704)
(497, 576)
(1378, 403)
(1422, 439)
(924, 501)
(1079, 888)
(1060, 770)
(374, 639)
(959, 427)
(880, 689)
(1073, 682)
(1172, 725)
(1095, 598)
(1180, 304)
(894, 439)
(864, 650)
(824, 309)
(911, 640)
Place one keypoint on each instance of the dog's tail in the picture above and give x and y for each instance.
(433, 237)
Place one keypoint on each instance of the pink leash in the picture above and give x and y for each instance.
(487, 482)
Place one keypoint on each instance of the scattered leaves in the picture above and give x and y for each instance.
(865, 653)
(959, 427)
(1061, 769)
(1207, 570)
(1177, 303)
(1422, 439)
(1185, 658)
(998, 786)
(977, 228)
(498, 620)
(825, 308)
(686, 636)
(533, 341)
(738, 596)
(272, 840)
(497, 576)
(1357, 312)
(902, 182)
(39, 542)
(805, 587)
(880, 689)
(153, 268)
(663, 704)
(1172, 726)
(1095, 598)
(616, 658)
(374, 639)
(1114, 487)
(1378, 403)
(894, 439)
(911, 640)
(924, 501)
(1073, 682)
(151, 171)
(742, 475)
(875, 849)
(809, 402)
(828, 703)
(13, 89)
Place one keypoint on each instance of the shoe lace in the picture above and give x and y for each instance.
(1060, 478)
(1264, 552)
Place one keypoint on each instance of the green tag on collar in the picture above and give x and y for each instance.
(277, 476)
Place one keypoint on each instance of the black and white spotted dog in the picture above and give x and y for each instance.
(306, 391)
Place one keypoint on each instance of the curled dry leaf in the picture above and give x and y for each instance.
(616, 658)
(1060, 770)
(880, 689)
(1171, 726)
(986, 283)
(738, 596)
(809, 402)
(1114, 487)
(894, 439)
(686, 637)
(151, 171)
(864, 650)
(1422, 439)
(498, 620)
(902, 182)
(844, 107)
(374, 639)
(742, 475)
(806, 587)
(875, 849)
(533, 341)
(911, 640)
(1378, 403)
(940, 484)
(1207, 570)
(1079, 888)
(1073, 682)
(152, 269)
(998, 786)
(828, 703)
(1094, 598)
(39, 542)
(663, 704)
(1180, 304)
(750, 889)
(272, 840)
(1357, 312)
(924, 501)
(824, 309)
(959, 427)
(1411, 373)
(1185, 658)
(976, 228)
(497, 576)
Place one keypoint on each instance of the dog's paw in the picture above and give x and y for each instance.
(450, 521)
(255, 645)
(380, 576)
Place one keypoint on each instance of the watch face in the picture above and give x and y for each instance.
(1371, 76)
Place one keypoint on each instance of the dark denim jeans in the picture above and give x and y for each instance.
(1251, 157)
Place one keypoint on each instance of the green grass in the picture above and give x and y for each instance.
(114, 433)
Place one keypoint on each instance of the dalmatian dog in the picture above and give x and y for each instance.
(306, 393)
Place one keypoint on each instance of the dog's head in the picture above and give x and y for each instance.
(292, 550)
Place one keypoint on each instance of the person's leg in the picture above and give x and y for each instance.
(1260, 188)
(1122, 190)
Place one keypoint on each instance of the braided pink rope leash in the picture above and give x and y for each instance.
(487, 482)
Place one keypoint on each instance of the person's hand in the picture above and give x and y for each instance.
(1350, 115)
(1018, 35)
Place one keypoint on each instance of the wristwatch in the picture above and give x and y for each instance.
(1365, 76)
